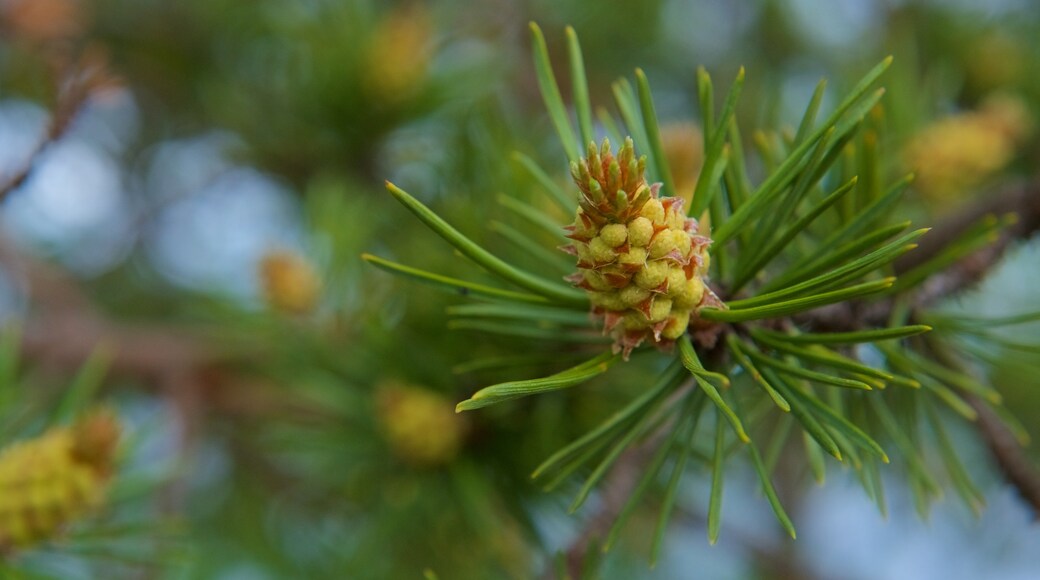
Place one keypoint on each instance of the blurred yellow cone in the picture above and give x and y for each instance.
(289, 282)
(421, 426)
(54, 479)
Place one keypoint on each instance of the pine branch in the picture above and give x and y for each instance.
(1010, 457)
(64, 328)
(617, 489)
(76, 84)
(1021, 199)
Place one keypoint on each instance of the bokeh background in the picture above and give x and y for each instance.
(205, 206)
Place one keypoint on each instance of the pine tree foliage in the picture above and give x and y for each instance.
(68, 499)
(801, 227)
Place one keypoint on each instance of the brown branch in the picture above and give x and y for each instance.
(1005, 448)
(1011, 459)
(63, 328)
(618, 488)
(76, 83)
(1021, 199)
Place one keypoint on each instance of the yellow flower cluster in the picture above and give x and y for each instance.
(640, 258)
(50, 481)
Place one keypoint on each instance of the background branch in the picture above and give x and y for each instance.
(1022, 200)
(1018, 469)
(76, 83)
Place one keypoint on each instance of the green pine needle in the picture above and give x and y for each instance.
(459, 286)
(710, 170)
(485, 259)
(788, 307)
(551, 95)
(653, 134)
(581, 88)
(516, 389)
(855, 337)
(717, 472)
(556, 193)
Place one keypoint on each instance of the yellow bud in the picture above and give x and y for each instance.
(676, 220)
(420, 426)
(640, 230)
(583, 251)
(683, 243)
(676, 280)
(614, 234)
(600, 251)
(660, 309)
(596, 280)
(397, 59)
(290, 283)
(608, 300)
(653, 211)
(632, 295)
(633, 320)
(957, 154)
(663, 243)
(653, 275)
(633, 257)
(677, 324)
(689, 294)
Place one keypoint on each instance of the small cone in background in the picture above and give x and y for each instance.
(955, 155)
(399, 54)
(642, 261)
(289, 282)
(683, 146)
(54, 479)
(420, 425)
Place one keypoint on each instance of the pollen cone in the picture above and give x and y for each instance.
(52, 480)
(641, 260)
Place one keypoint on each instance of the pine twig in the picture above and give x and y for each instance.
(76, 83)
(618, 488)
(1021, 199)
(1011, 459)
